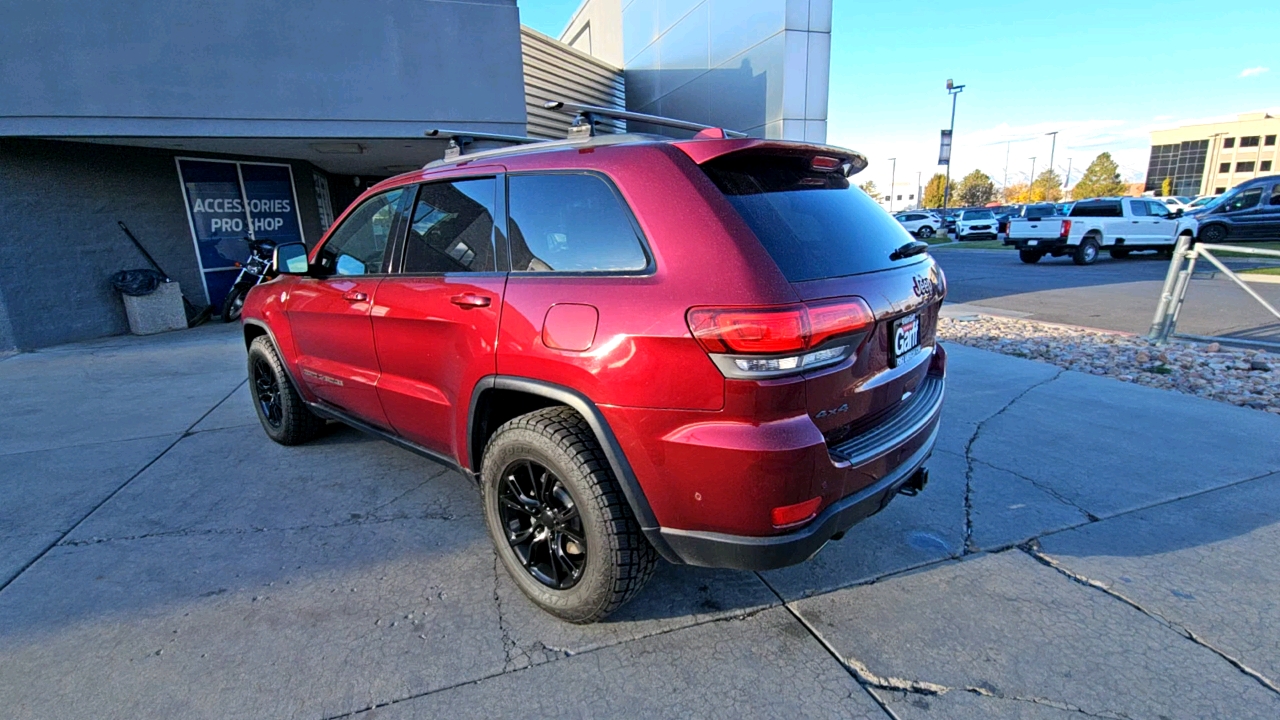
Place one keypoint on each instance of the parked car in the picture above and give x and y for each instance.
(1027, 223)
(1201, 202)
(1119, 225)
(919, 223)
(536, 318)
(1175, 202)
(1248, 211)
(975, 224)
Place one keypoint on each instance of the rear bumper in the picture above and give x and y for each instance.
(1045, 244)
(767, 553)
(913, 430)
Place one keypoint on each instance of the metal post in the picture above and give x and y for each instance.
(893, 176)
(1067, 183)
(953, 90)
(1180, 294)
(1052, 149)
(1156, 334)
(1031, 185)
(919, 192)
(1007, 145)
(1235, 279)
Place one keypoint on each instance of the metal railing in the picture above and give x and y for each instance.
(1179, 277)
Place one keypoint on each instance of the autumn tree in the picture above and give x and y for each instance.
(975, 189)
(1166, 187)
(1101, 179)
(869, 187)
(935, 191)
(1015, 193)
(1047, 187)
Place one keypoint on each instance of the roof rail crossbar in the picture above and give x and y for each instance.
(460, 139)
(589, 115)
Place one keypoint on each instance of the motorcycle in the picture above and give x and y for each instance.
(255, 270)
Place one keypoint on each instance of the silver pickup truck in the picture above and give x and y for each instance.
(1119, 225)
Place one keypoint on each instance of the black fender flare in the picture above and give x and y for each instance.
(604, 435)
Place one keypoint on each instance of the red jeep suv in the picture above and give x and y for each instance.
(715, 350)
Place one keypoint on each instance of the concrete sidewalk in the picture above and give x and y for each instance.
(1085, 547)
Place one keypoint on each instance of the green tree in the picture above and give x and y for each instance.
(975, 189)
(935, 190)
(1101, 179)
(1166, 187)
(1047, 187)
(869, 187)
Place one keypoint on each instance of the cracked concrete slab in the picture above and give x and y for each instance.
(286, 624)
(910, 532)
(116, 389)
(1206, 564)
(17, 551)
(1109, 446)
(979, 385)
(1011, 632)
(1008, 509)
(237, 478)
(236, 411)
(764, 665)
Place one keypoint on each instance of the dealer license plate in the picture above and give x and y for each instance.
(906, 338)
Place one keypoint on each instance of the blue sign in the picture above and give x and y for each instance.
(228, 202)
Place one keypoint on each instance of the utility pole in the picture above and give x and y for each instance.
(1052, 148)
(953, 90)
(892, 177)
(1031, 186)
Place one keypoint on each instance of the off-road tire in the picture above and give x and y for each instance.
(1119, 253)
(297, 424)
(1030, 257)
(924, 232)
(619, 558)
(1086, 252)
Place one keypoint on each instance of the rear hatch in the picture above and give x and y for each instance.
(832, 241)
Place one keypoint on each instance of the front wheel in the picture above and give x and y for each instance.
(558, 519)
(234, 302)
(924, 232)
(283, 414)
(1030, 257)
(1086, 252)
(1213, 234)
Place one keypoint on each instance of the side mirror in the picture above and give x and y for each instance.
(1178, 213)
(290, 259)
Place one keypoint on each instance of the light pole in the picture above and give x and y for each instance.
(1067, 183)
(892, 177)
(1213, 163)
(1007, 144)
(919, 197)
(1031, 186)
(1052, 148)
(953, 90)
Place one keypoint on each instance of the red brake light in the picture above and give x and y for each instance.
(789, 515)
(777, 330)
(1066, 228)
(823, 162)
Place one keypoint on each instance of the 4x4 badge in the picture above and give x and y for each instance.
(832, 411)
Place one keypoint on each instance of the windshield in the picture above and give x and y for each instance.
(978, 215)
(813, 224)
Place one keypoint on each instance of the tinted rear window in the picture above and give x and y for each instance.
(1097, 209)
(1040, 211)
(813, 224)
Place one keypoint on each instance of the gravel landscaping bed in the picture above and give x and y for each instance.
(1249, 378)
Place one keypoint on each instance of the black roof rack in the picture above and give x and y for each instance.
(588, 115)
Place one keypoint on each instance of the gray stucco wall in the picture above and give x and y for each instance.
(59, 243)
(258, 68)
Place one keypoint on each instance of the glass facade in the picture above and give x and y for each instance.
(1181, 162)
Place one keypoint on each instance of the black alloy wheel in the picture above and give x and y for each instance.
(542, 524)
(266, 390)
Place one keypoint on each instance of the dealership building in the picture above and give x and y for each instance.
(1211, 158)
(196, 125)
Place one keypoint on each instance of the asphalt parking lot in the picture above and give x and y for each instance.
(1086, 547)
(1110, 294)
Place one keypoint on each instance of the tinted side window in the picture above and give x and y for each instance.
(451, 228)
(1158, 209)
(1244, 200)
(1139, 208)
(359, 245)
(1097, 209)
(1275, 195)
(570, 223)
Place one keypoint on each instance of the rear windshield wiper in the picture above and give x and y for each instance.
(915, 247)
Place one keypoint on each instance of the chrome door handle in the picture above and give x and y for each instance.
(354, 296)
(467, 301)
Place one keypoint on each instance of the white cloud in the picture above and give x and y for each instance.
(1250, 72)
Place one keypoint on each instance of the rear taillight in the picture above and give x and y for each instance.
(1066, 228)
(752, 342)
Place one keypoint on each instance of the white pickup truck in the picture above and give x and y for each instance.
(1118, 225)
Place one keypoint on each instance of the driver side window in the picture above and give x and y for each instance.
(359, 245)
(1244, 201)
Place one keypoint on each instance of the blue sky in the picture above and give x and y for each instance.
(1103, 74)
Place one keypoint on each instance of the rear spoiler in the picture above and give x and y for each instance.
(705, 150)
